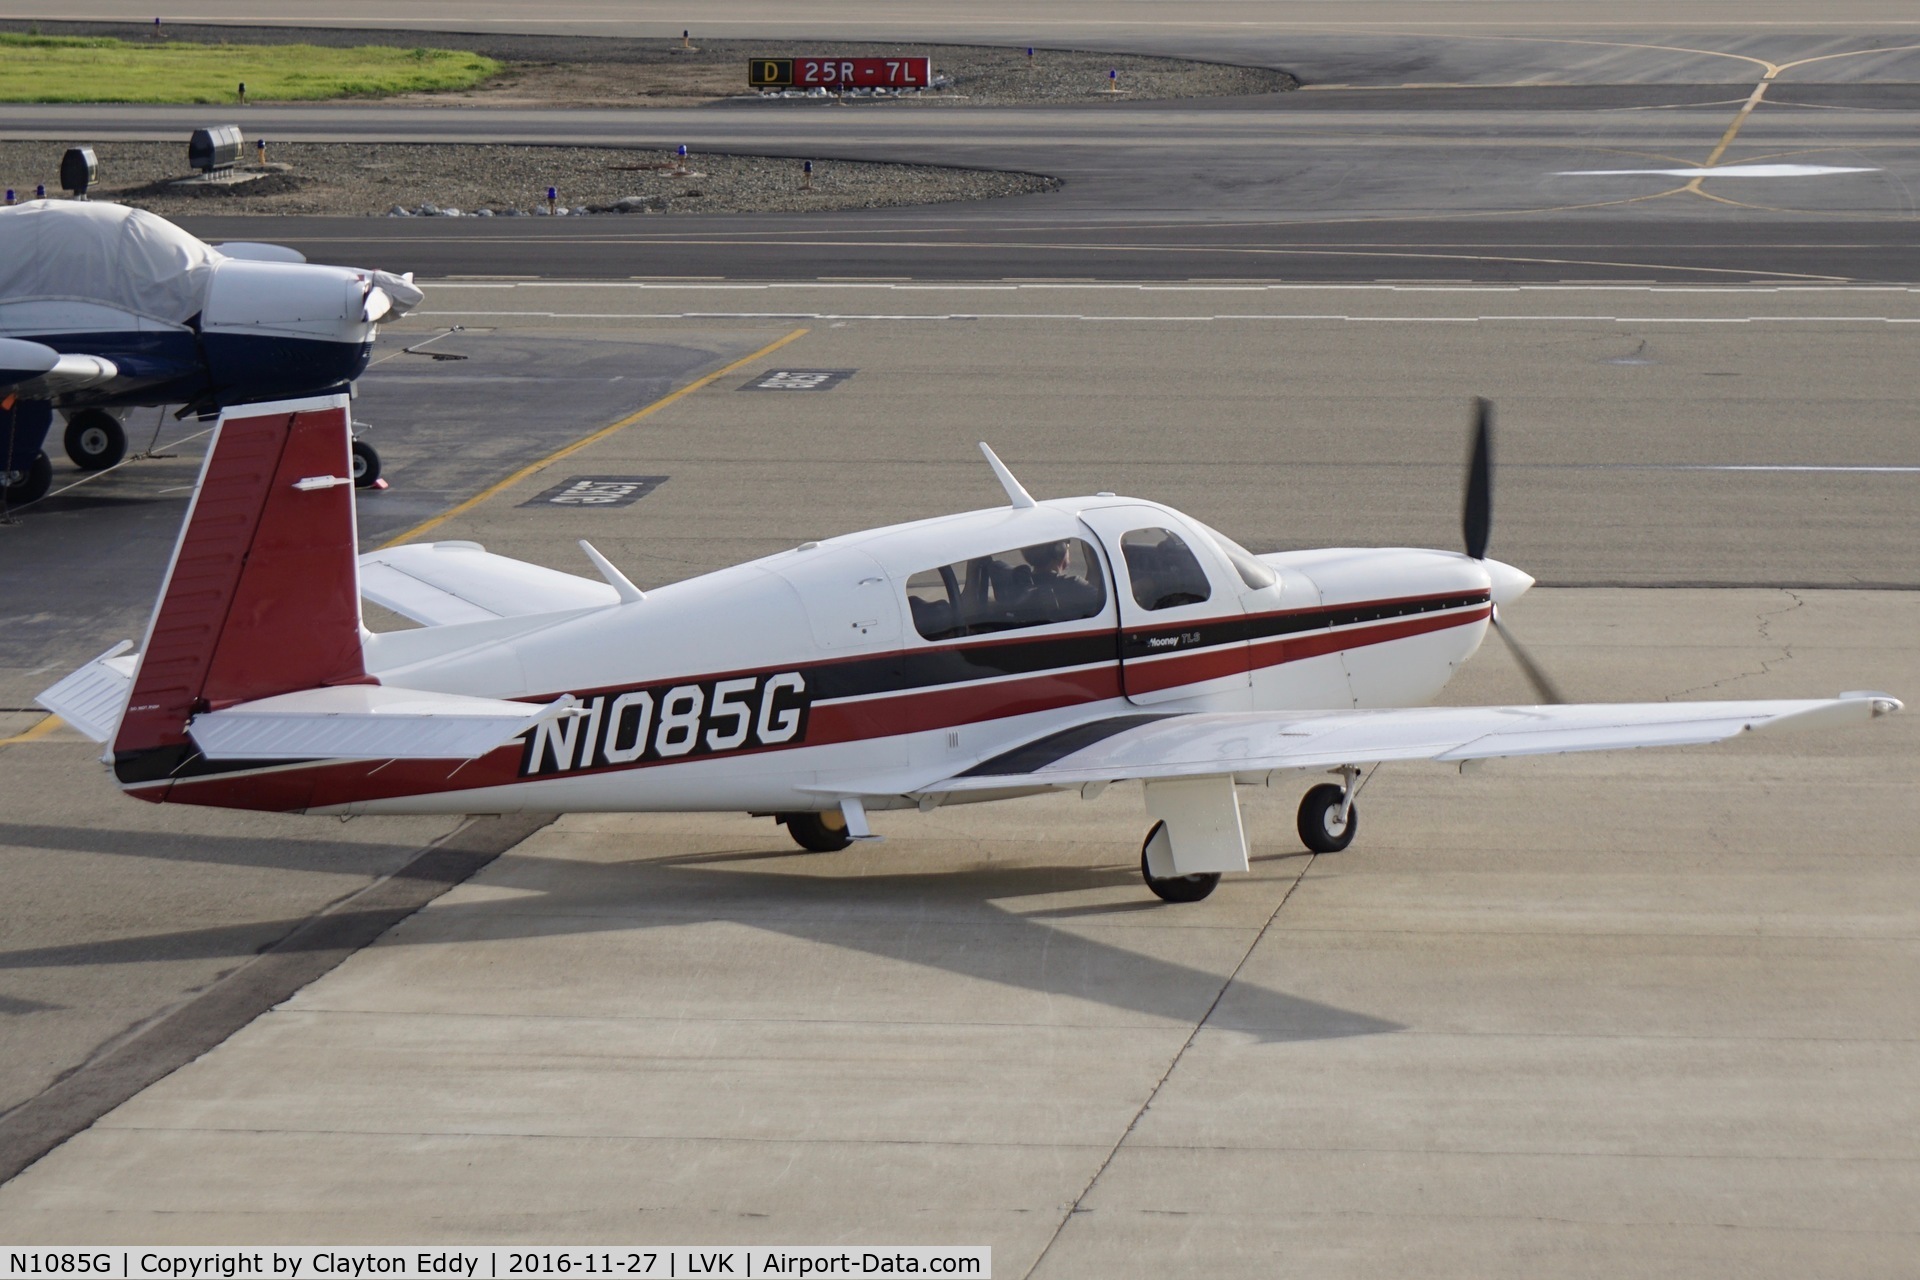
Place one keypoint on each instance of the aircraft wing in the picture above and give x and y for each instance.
(35, 371)
(1201, 745)
(438, 583)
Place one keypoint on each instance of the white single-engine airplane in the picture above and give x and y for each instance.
(1072, 643)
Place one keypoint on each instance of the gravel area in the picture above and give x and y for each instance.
(609, 71)
(372, 179)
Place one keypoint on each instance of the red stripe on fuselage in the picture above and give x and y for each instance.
(1154, 674)
(327, 785)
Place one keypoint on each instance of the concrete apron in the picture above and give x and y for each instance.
(1636, 1011)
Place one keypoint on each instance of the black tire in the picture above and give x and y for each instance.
(1320, 827)
(95, 440)
(817, 832)
(1175, 888)
(366, 465)
(32, 484)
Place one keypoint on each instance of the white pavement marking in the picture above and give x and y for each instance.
(1066, 315)
(1724, 171)
(681, 285)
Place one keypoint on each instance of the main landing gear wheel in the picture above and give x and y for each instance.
(1175, 888)
(30, 485)
(366, 465)
(817, 832)
(1321, 827)
(95, 440)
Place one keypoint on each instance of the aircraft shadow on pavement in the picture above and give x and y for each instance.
(342, 856)
(949, 920)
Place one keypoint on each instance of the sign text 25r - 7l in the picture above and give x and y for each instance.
(840, 73)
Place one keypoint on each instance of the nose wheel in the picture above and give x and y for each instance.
(366, 465)
(1328, 819)
(1174, 888)
(30, 484)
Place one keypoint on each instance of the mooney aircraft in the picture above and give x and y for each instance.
(1044, 645)
(103, 308)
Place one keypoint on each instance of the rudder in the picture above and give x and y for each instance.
(262, 596)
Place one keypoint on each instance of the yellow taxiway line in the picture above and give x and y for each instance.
(34, 734)
(533, 468)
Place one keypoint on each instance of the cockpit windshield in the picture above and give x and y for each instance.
(1031, 587)
(1253, 571)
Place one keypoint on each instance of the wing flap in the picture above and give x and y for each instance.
(438, 583)
(366, 722)
(1252, 742)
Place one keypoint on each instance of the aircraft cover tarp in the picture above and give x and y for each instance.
(83, 251)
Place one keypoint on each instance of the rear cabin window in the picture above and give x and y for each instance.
(1030, 587)
(1163, 569)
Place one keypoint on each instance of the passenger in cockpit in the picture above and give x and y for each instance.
(1054, 591)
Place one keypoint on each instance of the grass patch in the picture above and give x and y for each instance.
(99, 69)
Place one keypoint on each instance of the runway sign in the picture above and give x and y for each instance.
(799, 380)
(598, 491)
(840, 73)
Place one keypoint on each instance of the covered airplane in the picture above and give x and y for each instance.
(103, 308)
(1074, 643)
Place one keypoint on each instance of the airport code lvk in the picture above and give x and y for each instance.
(236, 1262)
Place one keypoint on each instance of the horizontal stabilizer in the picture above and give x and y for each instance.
(1178, 746)
(366, 722)
(92, 698)
(439, 583)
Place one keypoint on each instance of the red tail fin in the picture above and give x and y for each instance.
(263, 594)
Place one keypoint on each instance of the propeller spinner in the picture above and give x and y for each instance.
(1476, 525)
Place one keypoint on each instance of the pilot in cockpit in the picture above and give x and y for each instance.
(1050, 588)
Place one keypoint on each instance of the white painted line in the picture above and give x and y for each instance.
(935, 287)
(1716, 466)
(1309, 317)
(1722, 171)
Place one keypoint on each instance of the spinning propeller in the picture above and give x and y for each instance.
(1476, 523)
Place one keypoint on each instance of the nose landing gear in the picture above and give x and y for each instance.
(1328, 819)
(366, 465)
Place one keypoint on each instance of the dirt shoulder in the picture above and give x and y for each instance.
(586, 71)
(361, 179)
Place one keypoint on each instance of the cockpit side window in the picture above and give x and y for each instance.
(1031, 587)
(1163, 569)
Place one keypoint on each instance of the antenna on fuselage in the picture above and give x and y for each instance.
(622, 586)
(1016, 495)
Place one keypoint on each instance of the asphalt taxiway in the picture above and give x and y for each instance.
(1649, 1009)
(1620, 143)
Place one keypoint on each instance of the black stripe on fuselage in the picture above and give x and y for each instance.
(921, 669)
(906, 670)
(1181, 637)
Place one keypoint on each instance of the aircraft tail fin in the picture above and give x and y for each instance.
(262, 597)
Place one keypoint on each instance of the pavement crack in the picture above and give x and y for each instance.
(1763, 620)
(1079, 1201)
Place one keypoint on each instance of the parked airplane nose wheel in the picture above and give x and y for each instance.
(1175, 888)
(817, 832)
(95, 440)
(1321, 829)
(366, 465)
(30, 485)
